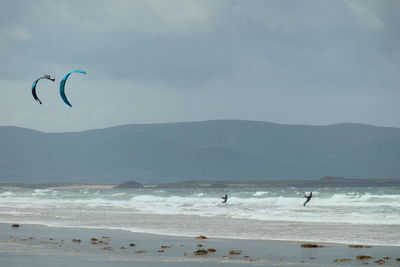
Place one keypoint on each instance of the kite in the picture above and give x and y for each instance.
(44, 76)
(62, 85)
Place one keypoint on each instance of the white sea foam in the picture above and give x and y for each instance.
(247, 214)
(6, 194)
(260, 193)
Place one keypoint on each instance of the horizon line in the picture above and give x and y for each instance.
(203, 121)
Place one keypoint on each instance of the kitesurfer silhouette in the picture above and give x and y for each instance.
(225, 198)
(308, 198)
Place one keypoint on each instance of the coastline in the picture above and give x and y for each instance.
(326, 181)
(50, 187)
(38, 245)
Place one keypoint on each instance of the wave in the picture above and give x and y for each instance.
(260, 193)
(260, 205)
(332, 215)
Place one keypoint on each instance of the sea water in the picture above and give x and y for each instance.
(369, 216)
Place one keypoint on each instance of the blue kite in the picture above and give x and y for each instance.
(62, 85)
(44, 76)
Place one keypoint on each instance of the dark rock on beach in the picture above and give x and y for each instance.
(359, 246)
(343, 260)
(95, 241)
(310, 245)
(380, 261)
(200, 252)
(363, 257)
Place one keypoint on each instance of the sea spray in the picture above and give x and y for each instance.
(333, 214)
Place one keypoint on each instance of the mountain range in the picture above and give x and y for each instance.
(205, 150)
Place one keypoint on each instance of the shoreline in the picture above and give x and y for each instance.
(326, 181)
(174, 235)
(55, 187)
(324, 243)
(99, 246)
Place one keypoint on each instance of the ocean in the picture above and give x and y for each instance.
(368, 216)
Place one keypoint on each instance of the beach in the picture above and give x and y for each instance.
(100, 226)
(38, 245)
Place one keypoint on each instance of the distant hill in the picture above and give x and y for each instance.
(208, 150)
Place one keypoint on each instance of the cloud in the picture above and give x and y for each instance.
(366, 13)
(150, 61)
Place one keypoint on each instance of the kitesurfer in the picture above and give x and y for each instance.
(225, 198)
(308, 198)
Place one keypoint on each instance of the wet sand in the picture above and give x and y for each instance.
(37, 245)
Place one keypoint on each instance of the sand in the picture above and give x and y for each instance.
(37, 245)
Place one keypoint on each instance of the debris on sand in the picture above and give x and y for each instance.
(201, 237)
(380, 261)
(343, 260)
(100, 242)
(234, 252)
(363, 257)
(359, 246)
(76, 240)
(200, 252)
(15, 225)
(310, 245)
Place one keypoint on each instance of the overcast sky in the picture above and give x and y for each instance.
(295, 62)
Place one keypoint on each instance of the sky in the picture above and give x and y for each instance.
(292, 62)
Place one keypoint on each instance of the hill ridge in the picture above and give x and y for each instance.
(204, 150)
